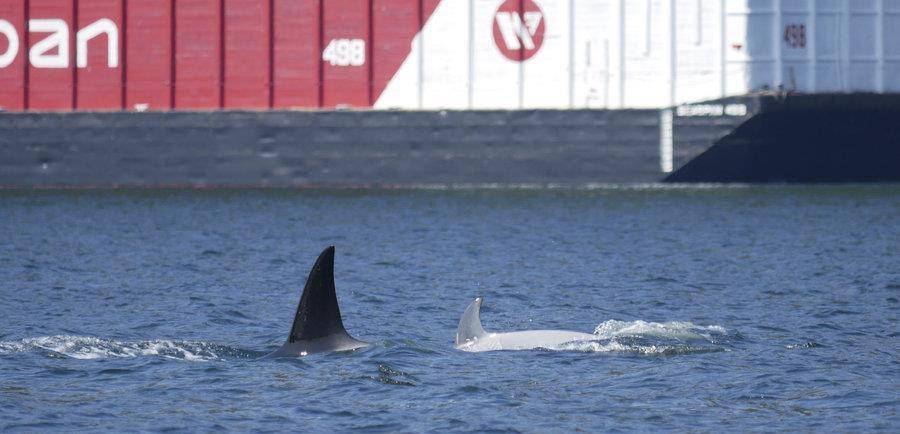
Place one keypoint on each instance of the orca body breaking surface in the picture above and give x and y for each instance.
(317, 326)
(471, 336)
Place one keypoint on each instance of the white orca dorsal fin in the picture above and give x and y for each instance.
(470, 324)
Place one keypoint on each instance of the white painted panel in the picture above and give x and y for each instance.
(496, 77)
(892, 35)
(862, 76)
(828, 5)
(791, 6)
(762, 76)
(737, 61)
(737, 6)
(545, 81)
(646, 54)
(736, 37)
(863, 5)
(794, 74)
(595, 53)
(698, 27)
(862, 36)
(892, 76)
(446, 56)
(828, 76)
(738, 78)
(827, 34)
(618, 53)
(760, 36)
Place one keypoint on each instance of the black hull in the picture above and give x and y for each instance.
(806, 139)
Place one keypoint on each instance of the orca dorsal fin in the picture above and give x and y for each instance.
(470, 324)
(318, 314)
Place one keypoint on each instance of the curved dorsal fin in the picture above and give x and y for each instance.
(318, 314)
(470, 323)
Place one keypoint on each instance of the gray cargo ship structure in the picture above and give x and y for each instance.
(765, 138)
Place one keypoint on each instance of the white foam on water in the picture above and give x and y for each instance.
(667, 338)
(649, 350)
(590, 186)
(87, 347)
(681, 330)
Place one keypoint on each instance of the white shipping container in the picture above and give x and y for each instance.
(644, 53)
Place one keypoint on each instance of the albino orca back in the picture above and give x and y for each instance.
(471, 336)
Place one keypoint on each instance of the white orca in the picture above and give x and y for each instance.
(471, 336)
(317, 324)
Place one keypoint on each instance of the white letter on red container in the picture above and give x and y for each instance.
(7, 29)
(91, 31)
(59, 37)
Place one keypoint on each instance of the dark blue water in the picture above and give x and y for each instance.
(769, 308)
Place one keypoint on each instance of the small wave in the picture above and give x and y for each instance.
(391, 376)
(668, 330)
(810, 344)
(87, 347)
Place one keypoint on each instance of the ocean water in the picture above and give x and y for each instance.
(741, 308)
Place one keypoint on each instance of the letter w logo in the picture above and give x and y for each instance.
(517, 34)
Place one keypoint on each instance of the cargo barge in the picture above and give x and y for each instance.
(406, 92)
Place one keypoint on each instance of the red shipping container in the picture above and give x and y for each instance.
(98, 54)
(13, 54)
(394, 25)
(148, 39)
(247, 47)
(202, 54)
(428, 7)
(50, 73)
(345, 57)
(297, 39)
(198, 54)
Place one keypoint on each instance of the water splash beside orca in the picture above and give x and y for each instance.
(93, 348)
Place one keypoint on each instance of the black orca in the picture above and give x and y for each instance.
(317, 324)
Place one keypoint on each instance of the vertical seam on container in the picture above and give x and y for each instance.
(173, 52)
(369, 52)
(320, 88)
(221, 54)
(26, 58)
(123, 59)
(73, 47)
(271, 101)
